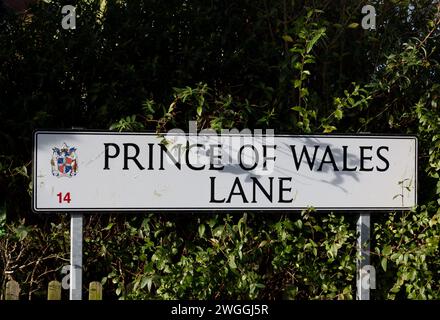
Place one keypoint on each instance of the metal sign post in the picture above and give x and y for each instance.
(364, 277)
(76, 234)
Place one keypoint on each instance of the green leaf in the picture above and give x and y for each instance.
(2, 217)
(147, 281)
(231, 262)
(108, 227)
(386, 250)
(338, 114)
(383, 263)
(316, 37)
(328, 129)
(287, 38)
(21, 232)
(395, 288)
(262, 244)
(144, 282)
(297, 65)
(353, 25)
(304, 92)
(217, 232)
(201, 230)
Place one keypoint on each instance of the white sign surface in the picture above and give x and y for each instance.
(109, 171)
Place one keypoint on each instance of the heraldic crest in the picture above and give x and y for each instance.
(64, 161)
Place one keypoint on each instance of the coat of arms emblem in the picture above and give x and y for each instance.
(64, 161)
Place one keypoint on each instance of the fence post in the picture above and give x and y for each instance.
(54, 290)
(12, 290)
(95, 290)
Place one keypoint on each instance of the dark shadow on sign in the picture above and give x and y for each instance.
(338, 176)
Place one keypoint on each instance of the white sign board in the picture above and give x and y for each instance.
(109, 171)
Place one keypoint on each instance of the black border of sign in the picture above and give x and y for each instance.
(224, 209)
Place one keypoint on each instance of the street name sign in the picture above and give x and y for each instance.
(87, 171)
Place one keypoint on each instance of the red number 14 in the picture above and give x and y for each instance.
(66, 197)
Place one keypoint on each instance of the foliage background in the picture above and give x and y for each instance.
(296, 66)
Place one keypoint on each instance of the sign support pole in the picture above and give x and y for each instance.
(363, 257)
(76, 242)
